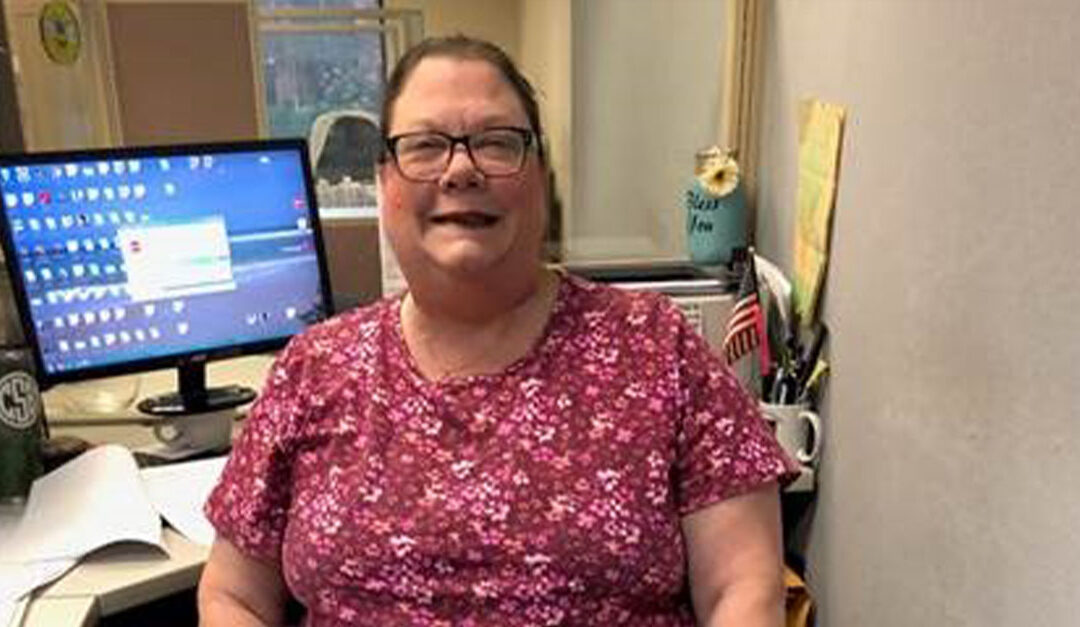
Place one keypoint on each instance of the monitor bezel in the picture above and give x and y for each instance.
(175, 360)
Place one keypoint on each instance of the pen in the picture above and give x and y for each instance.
(809, 392)
(774, 385)
(808, 360)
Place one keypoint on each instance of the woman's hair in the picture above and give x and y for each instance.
(463, 47)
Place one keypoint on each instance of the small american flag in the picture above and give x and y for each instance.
(746, 326)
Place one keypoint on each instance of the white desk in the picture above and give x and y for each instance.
(120, 577)
(117, 578)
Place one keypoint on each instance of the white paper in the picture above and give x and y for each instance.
(178, 491)
(11, 611)
(94, 500)
(18, 581)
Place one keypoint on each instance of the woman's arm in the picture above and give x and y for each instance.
(237, 590)
(736, 566)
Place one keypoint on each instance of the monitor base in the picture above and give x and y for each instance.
(213, 399)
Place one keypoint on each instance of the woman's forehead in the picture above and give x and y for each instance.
(471, 89)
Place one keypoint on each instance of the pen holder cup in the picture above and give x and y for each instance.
(797, 428)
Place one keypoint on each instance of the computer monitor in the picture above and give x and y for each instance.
(131, 259)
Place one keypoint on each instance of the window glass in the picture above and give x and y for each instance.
(323, 73)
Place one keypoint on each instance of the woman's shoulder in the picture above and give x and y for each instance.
(615, 304)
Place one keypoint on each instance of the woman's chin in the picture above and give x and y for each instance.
(467, 257)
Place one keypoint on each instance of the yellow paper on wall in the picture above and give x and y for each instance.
(820, 132)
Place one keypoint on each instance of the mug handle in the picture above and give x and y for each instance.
(815, 426)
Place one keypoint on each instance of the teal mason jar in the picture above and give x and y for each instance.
(715, 209)
(715, 225)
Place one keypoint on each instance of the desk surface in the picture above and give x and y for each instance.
(119, 577)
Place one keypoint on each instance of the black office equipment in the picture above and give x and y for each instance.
(130, 259)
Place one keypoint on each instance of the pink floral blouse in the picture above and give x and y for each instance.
(547, 494)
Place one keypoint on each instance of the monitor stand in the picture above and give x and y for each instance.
(194, 397)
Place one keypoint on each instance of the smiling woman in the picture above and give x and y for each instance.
(500, 444)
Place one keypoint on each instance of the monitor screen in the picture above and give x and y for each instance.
(132, 259)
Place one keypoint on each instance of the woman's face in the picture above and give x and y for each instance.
(464, 222)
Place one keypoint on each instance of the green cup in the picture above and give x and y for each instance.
(22, 425)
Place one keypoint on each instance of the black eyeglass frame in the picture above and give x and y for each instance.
(527, 135)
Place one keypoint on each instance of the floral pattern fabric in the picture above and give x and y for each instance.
(550, 493)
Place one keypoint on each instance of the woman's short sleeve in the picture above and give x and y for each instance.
(724, 446)
(250, 503)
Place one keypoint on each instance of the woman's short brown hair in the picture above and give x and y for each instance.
(465, 48)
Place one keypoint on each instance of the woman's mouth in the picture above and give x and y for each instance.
(466, 219)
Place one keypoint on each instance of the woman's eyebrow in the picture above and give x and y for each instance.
(486, 121)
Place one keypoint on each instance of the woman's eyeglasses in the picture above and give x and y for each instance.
(423, 157)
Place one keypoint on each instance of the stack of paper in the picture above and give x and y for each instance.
(97, 499)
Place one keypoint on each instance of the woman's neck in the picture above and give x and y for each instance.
(461, 331)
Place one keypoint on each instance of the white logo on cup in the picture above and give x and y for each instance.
(19, 400)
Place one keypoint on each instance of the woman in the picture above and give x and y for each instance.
(501, 445)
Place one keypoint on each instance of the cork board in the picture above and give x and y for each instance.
(183, 71)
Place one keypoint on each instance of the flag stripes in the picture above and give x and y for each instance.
(746, 325)
(742, 332)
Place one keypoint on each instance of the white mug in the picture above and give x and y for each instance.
(210, 431)
(797, 429)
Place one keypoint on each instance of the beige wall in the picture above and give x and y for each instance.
(496, 20)
(948, 490)
(62, 106)
(646, 92)
(545, 59)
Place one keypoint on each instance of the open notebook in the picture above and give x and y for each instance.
(97, 499)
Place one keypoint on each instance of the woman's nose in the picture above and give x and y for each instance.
(461, 171)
